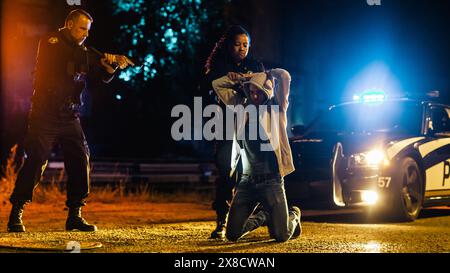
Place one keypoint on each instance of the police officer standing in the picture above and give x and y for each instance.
(63, 67)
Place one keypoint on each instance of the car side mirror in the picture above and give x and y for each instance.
(431, 131)
(437, 132)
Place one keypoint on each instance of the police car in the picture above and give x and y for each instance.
(389, 155)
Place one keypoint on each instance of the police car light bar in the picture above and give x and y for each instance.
(370, 96)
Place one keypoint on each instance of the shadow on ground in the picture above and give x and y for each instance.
(359, 217)
(435, 212)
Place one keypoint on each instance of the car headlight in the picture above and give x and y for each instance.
(369, 197)
(373, 158)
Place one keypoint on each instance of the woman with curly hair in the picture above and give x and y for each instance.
(228, 57)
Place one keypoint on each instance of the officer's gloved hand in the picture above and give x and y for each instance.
(109, 62)
(123, 61)
(112, 61)
(110, 58)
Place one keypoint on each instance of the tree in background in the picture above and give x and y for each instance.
(164, 35)
(171, 40)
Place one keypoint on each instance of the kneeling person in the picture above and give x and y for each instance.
(262, 172)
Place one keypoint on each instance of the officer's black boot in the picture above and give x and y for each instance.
(15, 223)
(219, 232)
(76, 222)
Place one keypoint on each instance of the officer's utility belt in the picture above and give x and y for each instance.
(56, 105)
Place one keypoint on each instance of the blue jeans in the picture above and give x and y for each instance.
(269, 191)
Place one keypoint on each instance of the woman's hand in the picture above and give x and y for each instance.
(234, 76)
(247, 76)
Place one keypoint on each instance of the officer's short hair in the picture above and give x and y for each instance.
(74, 14)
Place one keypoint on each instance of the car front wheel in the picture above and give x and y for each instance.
(407, 191)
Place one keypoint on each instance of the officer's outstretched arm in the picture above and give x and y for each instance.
(108, 67)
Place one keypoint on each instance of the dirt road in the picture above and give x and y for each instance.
(185, 227)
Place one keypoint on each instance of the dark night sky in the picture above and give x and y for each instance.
(328, 46)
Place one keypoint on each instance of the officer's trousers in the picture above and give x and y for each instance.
(42, 134)
(224, 185)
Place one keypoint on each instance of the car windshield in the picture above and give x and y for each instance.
(402, 117)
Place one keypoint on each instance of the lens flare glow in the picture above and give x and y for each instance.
(369, 197)
(373, 158)
(375, 76)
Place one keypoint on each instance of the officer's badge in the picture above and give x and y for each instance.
(53, 40)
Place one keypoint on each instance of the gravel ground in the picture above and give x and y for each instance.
(183, 227)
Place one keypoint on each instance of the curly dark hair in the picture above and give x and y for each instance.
(220, 51)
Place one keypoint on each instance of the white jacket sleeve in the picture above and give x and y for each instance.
(223, 87)
(283, 87)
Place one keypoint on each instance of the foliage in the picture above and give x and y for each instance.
(164, 35)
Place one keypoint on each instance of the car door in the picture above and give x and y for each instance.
(436, 152)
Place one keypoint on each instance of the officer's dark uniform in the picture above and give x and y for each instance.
(62, 70)
(224, 184)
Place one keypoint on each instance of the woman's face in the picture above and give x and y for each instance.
(239, 48)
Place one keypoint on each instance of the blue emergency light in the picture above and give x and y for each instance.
(370, 96)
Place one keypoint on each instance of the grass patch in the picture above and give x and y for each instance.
(55, 191)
